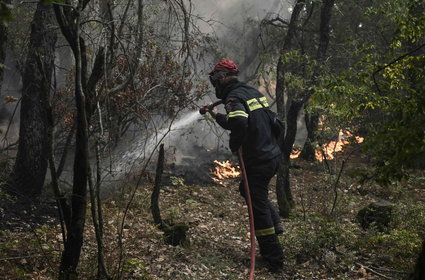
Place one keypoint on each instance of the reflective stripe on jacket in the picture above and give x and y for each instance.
(248, 122)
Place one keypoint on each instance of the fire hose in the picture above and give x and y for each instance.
(202, 111)
(251, 217)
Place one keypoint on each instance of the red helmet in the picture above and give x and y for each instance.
(225, 65)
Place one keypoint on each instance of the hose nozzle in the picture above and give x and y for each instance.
(204, 109)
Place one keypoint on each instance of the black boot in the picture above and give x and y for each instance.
(271, 251)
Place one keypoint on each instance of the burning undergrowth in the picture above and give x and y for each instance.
(206, 167)
(328, 150)
(224, 170)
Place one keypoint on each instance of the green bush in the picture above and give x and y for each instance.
(399, 248)
(307, 240)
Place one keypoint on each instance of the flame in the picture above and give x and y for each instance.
(332, 147)
(295, 154)
(224, 170)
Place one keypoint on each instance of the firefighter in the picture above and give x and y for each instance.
(249, 123)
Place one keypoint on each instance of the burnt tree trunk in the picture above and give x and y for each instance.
(86, 100)
(174, 234)
(312, 121)
(311, 124)
(31, 162)
(283, 190)
(419, 273)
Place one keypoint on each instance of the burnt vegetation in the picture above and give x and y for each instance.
(107, 171)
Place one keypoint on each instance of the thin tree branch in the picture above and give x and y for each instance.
(392, 62)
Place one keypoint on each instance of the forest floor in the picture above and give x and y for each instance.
(318, 243)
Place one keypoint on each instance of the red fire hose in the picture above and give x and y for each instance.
(251, 217)
(202, 111)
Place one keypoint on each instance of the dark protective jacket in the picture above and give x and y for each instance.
(249, 123)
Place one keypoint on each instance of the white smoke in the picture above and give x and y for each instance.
(236, 25)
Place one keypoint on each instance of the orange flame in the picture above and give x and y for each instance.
(332, 147)
(295, 154)
(224, 170)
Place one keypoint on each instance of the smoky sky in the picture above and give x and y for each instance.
(235, 25)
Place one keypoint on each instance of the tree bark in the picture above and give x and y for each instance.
(283, 190)
(86, 100)
(312, 121)
(31, 162)
(311, 124)
(156, 188)
(85, 96)
(419, 273)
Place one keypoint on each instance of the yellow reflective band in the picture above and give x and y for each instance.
(238, 113)
(264, 232)
(253, 104)
(263, 101)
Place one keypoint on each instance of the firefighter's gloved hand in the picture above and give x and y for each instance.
(213, 111)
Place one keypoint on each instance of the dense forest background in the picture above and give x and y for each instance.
(108, 171)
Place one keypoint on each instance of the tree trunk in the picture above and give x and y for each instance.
(419, 273)
(86, 100)
(31, 162)
(85, 97)
(74, 242)
(283, 190)
(156, 188)
(311, 123)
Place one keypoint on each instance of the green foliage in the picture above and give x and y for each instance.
(381, 94)
(177, 181)
(4, 196)
(5, 11)
(308, 239)
(136, 268)
(410, 216)
(300, 68)
(192, 203)
(173, 214)
(400, 245)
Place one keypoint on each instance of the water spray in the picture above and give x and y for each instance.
(203, 110)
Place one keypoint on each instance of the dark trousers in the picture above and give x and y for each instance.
(265, 215)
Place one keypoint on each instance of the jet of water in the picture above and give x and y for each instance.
(142, 149)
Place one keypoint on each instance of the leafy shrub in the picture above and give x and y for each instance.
(398, 248)
(307, 240)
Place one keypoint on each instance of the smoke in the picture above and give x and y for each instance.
(236, 27)
(236, 24)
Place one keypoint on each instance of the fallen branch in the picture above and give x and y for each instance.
(374, 271)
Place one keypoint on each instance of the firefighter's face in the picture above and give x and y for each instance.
(216, 78)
